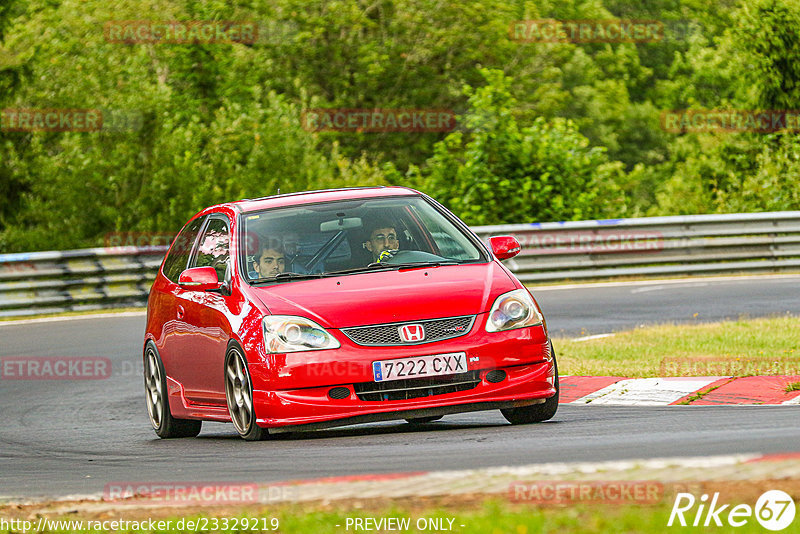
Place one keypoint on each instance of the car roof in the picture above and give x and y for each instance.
(310, 197)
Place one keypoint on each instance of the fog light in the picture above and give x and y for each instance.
(339, 393)
(495, 376)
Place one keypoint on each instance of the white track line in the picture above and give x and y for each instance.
(589, 338)
(646, 391)
(75, 318)
(666, 281)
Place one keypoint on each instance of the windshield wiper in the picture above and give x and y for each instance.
(368, 268)
(288, 276)
(386, 266)
(416, 264)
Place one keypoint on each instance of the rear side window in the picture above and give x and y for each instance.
(214, 248)
(178, 256)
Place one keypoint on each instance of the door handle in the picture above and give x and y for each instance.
(181, 312)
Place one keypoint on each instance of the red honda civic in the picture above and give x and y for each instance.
(329, 308)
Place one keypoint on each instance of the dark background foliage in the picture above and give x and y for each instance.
(547, 131)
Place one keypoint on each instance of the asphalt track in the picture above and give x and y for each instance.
(61, 438)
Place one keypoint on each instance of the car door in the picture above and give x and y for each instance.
(166, 299)
(206, 316)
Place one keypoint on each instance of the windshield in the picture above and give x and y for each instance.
(348, 237)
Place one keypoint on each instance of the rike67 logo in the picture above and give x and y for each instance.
(774, 510)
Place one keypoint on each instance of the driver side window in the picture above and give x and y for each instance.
(214, 247)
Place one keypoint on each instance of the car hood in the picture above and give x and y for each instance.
(390, 296)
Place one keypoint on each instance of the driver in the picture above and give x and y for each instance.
(382, 238)
(270, 260)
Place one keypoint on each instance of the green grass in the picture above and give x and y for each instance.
(794, 386)
(736, 348)
(500, 518)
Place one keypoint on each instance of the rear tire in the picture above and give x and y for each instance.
(155, 385)
(536, 413)
(423, 420)
(239, 393)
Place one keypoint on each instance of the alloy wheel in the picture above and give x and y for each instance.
(239, 392)
(153, 387)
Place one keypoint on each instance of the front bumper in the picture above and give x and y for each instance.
(313, 408)
(292, 389)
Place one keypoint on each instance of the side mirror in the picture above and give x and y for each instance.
(200, 278)
(504, 246)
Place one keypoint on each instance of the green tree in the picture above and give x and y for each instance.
(751, 67)
(500, 172)
(768, 39)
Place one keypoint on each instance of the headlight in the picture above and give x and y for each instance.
(514, 309)
(287, 333)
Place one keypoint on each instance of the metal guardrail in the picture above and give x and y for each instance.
(86, 279)
(655, 246)
(43, 282)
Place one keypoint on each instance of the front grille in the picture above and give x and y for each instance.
(415, 388)
(388, 334)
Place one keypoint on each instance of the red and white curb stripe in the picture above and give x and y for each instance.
(664, 391)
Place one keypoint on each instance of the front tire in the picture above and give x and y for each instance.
(155, 385)
(239, 393)
(535, 413)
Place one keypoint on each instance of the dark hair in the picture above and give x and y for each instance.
(376, 224)
(267, 244)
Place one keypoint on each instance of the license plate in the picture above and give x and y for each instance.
(420, 366)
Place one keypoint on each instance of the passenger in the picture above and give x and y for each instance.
(270, 260)
(382, 241)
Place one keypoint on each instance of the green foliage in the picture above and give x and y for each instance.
(731, 172)
(549, 131)
(191, 135)
(499, 172)
(769, 39)
(775, 183)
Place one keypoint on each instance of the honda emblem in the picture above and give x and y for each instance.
(411, 333)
